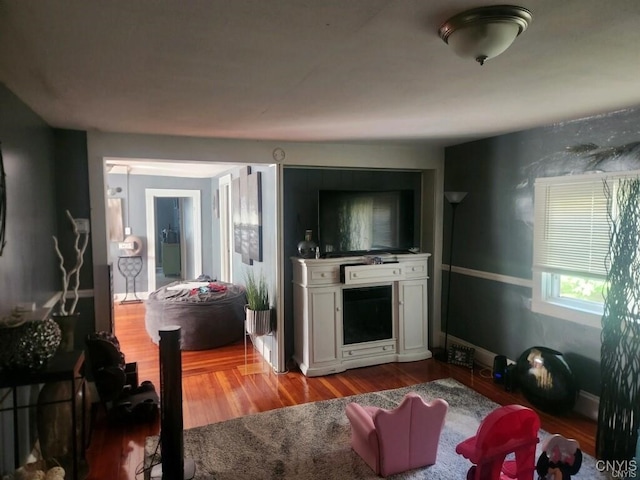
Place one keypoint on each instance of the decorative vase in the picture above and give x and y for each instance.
(28, 346)
(258, 321)
(546, 380)
(54, 425)
(307, 248)
(67, 324)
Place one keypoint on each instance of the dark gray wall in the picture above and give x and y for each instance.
(27, 265)
(494, 231)
(301, 186)
(72, 193)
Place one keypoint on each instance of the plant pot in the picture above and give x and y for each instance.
(258, 321)
(67, 324)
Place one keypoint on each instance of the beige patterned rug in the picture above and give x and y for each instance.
(311, 441)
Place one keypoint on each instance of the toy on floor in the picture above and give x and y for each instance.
(506, 430)
(117, 381)
(560, 458)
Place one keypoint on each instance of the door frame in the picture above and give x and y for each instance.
(150, 195)
(226, 229)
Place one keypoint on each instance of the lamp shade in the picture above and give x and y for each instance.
(483, 41)
(455, 197)
(486, 32)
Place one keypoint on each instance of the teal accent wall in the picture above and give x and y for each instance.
(494, 232)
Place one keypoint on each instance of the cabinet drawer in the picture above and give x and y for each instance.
(356, 351)
(323, 275)
(415, 270)
(358, 274)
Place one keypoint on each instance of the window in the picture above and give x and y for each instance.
(571, 244)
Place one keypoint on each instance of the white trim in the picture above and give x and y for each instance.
(496, 277)
(150, 195)
(224, 210)
(53, 301)
(280, 364)
(118, 297)
(55, 298)
(587, 403)
(540, 305)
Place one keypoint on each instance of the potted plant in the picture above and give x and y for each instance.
(66, 316)
(258, 308)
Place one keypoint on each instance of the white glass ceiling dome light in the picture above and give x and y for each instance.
(485, 32)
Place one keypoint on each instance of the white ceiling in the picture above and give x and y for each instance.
(312, 70)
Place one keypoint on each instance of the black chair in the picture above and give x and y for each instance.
(117, 381)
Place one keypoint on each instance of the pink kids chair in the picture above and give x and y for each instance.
(392, 441)
(510, 429)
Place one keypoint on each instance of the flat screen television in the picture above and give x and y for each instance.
(358, 221)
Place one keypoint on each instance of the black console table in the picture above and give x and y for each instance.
(63, 367)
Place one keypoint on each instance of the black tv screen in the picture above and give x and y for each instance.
(364, 221)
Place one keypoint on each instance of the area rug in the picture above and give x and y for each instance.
(311, 441)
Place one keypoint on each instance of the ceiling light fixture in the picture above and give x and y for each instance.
(485, 32)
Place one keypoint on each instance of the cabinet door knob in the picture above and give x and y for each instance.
(400, 302)
(350, 352)
(322, 274)
(337, 309)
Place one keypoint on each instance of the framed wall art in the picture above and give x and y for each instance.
(115, 229)
(216, 203)
(246, 192)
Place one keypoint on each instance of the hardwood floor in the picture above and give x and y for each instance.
(218, 386)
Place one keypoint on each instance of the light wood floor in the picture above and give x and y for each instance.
(217, 386)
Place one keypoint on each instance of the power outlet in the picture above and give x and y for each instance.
(83, 225)
(26, 307)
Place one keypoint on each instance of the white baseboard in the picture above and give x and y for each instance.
(261, 346)
(587, 404)
(118, 297)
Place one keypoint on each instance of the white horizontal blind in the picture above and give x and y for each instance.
(571, 225)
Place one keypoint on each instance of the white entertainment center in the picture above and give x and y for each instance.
(387, 300)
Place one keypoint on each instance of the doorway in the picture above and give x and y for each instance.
(187, 254)
(170, 249)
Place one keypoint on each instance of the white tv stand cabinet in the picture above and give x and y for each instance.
(318, 308)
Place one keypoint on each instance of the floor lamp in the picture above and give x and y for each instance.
(454, 198)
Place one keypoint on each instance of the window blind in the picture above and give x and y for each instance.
(571, 225)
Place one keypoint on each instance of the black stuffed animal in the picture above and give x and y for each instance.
(560, 458)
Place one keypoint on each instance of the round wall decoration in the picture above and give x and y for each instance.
(137, 245)
(278, 154)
